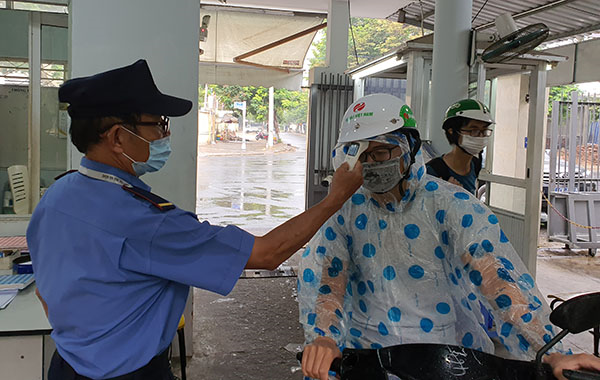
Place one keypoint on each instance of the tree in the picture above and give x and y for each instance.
(561, 93)
(374, 38)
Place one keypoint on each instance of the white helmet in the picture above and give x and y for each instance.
(374, 115)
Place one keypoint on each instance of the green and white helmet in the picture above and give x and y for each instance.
(469, 109)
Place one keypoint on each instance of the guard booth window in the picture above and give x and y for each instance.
(33, 147)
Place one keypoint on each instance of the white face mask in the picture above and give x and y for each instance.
(474, 145)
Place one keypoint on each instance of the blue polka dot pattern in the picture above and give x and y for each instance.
(356, 344)
(338, 313)
(325, 289)
(478, 208)
(465, 303)
(439, 252)
(527, 317)
(389, 273)
(306, 252)
(503, 274)
(308, 275)
(358, 199)
(473, 250)
(503, 238)
(361, 221)
(382, 224)
(355, 332)
(467, 221)
(467, 340)
(475, 277)
(547, 338)
(361, 288)
(340, 220)
(426, 324)
(440, 215)
(336, 264)
(390, 207)
(431, 186)
(406, 196)
(394, 314)
(472, 296)
(319, 331)
(412, 231)
(369, 250)
(349, 289)
(506, 329)
(507, 263)
(345, 150)
(493, 219)
(488, 246)
(371, 286)
(420, 172)
(416, 271)
(445, 237)
(332, 272)
(461, 195)
(442, 308)
(334, 330)
(349, 243)
(311, 318)
(321, 250)
(453, 279)
(525, 282)
(383, 329)
(523, 343)
(376, 346)
(375, 202)
(330, 234)
(458, 274)
(503, 301)
(362, 306)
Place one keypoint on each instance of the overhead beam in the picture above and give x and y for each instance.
(529, 12)
(573, 32)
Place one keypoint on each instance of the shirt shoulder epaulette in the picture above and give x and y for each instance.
(156, 201)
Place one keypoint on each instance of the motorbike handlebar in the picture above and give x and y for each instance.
(337, 364)
(580, 375)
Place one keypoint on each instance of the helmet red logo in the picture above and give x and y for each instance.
(359, 107)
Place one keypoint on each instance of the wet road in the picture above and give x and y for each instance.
(243, 335)
(255, 192)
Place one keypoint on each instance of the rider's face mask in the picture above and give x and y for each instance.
(381, 177)
(160, 150)
(473, 145)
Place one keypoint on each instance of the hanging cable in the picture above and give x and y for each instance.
(479, 11)
(352, 33)
(422, 29)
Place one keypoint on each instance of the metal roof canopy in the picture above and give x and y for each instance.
(564, 17)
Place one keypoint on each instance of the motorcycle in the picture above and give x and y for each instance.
(440, 361)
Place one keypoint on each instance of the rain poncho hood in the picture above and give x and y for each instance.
(434, 267)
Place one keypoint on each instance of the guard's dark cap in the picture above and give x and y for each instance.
(117, 92)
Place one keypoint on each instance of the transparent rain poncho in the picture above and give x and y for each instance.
(432, 268)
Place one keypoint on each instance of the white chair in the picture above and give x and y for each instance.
(18, 177)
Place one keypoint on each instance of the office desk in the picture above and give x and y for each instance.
(25, 344)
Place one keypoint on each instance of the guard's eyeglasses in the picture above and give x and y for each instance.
(163, 124)
(477, 132)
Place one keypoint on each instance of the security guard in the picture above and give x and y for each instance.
(114, 262)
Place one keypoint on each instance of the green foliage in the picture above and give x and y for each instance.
(374, 38)
(561, 93)
(290, 106)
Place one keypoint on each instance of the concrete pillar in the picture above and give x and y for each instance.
(271, 116)
(112, 33)
(337, 36)
(450, 71)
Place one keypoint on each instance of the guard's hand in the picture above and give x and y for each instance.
(318, 356)
(345, 183)
(584, 362)
(454, 181)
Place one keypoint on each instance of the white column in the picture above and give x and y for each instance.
(271, 116)
(35, 107)
(450, 72)
(337, 36)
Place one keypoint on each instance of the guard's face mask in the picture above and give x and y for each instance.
(381, 177)
(160, 150)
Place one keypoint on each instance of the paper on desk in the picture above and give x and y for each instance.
(6, 296)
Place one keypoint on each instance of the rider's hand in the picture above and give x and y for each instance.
(584, 362)
(318, 356)
(345, 182)
(454, 181)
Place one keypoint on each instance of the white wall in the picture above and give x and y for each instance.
(110, 33)
(581, 65)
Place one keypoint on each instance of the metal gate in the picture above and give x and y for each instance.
(572, 173)
(327, 103)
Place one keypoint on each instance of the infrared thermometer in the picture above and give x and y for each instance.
(354, 151)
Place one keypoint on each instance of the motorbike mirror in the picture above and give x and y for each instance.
(578, 314)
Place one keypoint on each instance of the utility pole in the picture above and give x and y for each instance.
(271, 108)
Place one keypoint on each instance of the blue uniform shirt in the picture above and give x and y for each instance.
(115, 271)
